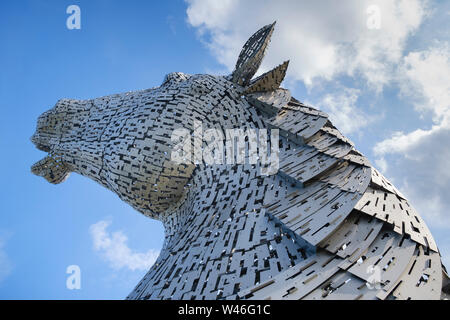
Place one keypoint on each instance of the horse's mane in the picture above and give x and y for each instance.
(317, 157)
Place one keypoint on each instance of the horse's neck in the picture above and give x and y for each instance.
(221, 241)
(211, 201)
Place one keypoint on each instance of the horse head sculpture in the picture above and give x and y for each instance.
(308, 217)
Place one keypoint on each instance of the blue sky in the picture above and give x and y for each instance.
(387, 89)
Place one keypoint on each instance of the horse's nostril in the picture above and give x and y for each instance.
(43, 147)
(39, 145)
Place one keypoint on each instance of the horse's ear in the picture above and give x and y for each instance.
(268, 81)
(251, 55)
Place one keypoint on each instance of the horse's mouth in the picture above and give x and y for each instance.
(51, 167)
(43, 147)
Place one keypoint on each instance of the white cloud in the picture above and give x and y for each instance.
(114, 249)
(421, 156)
(343, 112)
(425, 76)
(381, 165)
(402, 143)
(323, 39)
(5, 262)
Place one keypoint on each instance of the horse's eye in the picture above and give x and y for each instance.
(175, 77)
